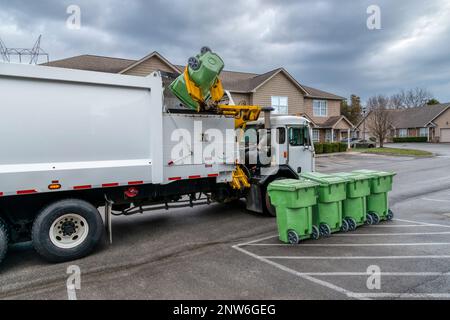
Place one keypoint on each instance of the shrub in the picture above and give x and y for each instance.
(327, 148)
(410, 139)
(318, 147)
(343, 147)
(336, 147)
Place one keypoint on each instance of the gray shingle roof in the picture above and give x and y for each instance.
(234, 81)
(417, 117)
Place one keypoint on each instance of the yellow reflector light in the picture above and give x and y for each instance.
(54, 186)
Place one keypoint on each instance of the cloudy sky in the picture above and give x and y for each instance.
(323, 43)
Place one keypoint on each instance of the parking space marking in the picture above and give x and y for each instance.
(435, 200)
(425, 224)
(387, 274)
(323, 283)
(402, 226)
(389, 234)
(355, 258)
(351, 244)
(400, 295)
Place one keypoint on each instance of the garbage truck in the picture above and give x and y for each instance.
(76, 141)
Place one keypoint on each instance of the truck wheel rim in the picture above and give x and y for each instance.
(69, 231)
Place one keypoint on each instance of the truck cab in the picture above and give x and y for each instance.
(284, 151)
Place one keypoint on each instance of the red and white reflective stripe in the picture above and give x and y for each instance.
(110, 185)
(135, 183)
(196, 177)
(22, 192)
(1, 194)
(82, 187)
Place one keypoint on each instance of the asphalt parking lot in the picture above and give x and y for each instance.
(223, 252)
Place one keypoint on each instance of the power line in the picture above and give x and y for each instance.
(20, 54)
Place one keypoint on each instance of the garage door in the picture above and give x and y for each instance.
(445, 135)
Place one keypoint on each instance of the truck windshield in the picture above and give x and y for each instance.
(299, 136)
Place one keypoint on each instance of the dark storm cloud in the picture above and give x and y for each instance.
(322, 43)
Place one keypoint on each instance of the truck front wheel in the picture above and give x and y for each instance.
(3, 240)
(67, 230)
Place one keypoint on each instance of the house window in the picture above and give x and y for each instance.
(424, 132)
(328, 136)
(316, 135)
(280, 104)
(320, 108)
(403, 133)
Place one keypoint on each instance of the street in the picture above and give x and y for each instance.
(224, 252)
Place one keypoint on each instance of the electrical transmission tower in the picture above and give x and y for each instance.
(32, 54)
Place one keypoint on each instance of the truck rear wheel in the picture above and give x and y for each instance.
(3, 240)
(67, 230)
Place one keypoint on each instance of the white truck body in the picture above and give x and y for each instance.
(88, 130)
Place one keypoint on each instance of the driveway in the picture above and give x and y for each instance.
(439, 149)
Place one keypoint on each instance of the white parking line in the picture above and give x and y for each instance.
(389, 234)
(435, 200)
(400, 295)
(355, 258)
(402, 226)
(362, 296)
(351, 244)
(300, 275)
(386, 274)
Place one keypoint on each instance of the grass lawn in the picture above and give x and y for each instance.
(396, 152)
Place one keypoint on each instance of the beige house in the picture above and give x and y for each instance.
(432, 122)
(276, 88)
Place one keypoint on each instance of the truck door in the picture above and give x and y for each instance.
(301, 151)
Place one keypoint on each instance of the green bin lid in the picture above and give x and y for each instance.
(351, 176)
(291, 185)
(324, 179)
(377, 174)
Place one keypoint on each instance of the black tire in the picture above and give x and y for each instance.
(376, 218)
(194, 63)
(351, 224)
(325, 231)
(369, 220)
(390, 215)
(315, 233)
(345, 226)
(4, 240)
(205, 50)
(44, 222)
(269, 209)
(293, 237)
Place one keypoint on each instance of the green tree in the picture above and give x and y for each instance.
(433, 102)
(352, 112)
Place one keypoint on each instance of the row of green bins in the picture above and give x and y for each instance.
(355, 206)
(378, 200)
(294, 201)
(327, 213)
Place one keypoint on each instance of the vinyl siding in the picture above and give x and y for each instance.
(281, 86)
(147, 67)
(334, 110)
(442, 122)
(242, 99)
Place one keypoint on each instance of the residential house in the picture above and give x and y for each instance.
(276, 88)
(432, 122)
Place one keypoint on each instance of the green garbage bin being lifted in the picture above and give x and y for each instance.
(328, 211)
(378, 201)
(355, 206)
(294, 201)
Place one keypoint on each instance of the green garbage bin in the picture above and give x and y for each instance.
(355, 206)
(294, 201)
(327, 213)
(378, 201)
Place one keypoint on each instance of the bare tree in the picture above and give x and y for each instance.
(379, 122)
(413, 98)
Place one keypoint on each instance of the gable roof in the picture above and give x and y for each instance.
(319, 94)
(238, 82)
(414, 117)
(92, 63)
(148, 57)
(333, 121)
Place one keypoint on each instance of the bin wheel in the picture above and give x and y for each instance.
(376, 218)
(345, 226)
(390, 215)
(325, 230)
(351, 224)
(194, 63)
(205, 50)
(293, 237)
(3, 240)
(369, 220)
(315, 233)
